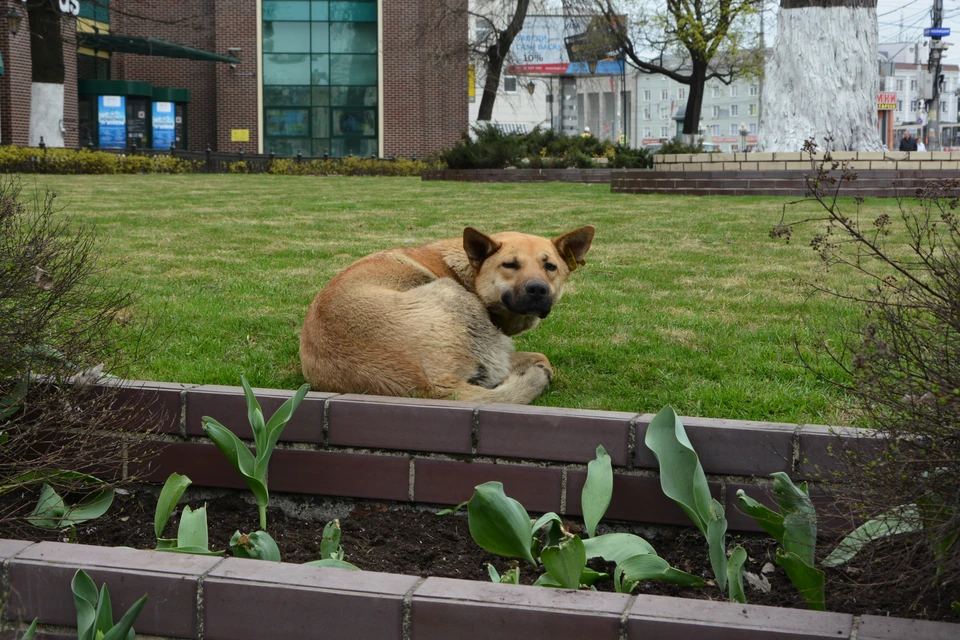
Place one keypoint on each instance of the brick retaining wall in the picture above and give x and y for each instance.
(519, 175)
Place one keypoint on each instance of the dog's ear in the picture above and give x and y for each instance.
(478, 246)
(573, 245)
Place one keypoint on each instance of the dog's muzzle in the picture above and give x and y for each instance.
(533, 299)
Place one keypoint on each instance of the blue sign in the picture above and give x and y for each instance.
(936, 32)
(112, 122)
(163, 125)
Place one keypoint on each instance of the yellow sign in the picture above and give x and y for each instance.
(472, 83)
(240, 135)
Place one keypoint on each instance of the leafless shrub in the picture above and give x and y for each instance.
(60, 318)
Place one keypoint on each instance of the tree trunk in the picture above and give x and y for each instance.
(823, 78)
(691, 118)
(496, 55)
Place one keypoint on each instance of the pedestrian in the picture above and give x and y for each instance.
(920, 145)
(586, 132)
(907, 142)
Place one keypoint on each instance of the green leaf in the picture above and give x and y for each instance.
(61, 476)
(10, 404)
(31, 630)
(500, 524)
(192, 531)
(92, 506)
(239, 456)
(735, 575)
(651, 567)
(194, 551)
(50, 509)
(85, 601)
(256, 546)
(104, 621)
(452, 510)
(275, 427)
(903, 519)
(597, 490)
(771, 521)
(254, 415)
(170, 495)
(123, 629)
(330, 542)
(589, 577)
(955, 606)
(791, 497)
(681, 476)
(333, 563)
(800, 537)
(808, 580)
(492, 572)
(617, 547)
(565, 561)
(716, 539)
(546, 580)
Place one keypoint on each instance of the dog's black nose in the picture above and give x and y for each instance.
(537, 289)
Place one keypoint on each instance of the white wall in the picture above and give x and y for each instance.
(46, 114)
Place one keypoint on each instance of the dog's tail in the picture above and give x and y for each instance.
(517, 388)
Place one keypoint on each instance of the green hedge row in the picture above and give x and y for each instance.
(84, 161)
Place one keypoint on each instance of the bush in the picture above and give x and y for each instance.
(627, 158)
(59, 324)
(902, 366)
(676, 145)
(541, 148)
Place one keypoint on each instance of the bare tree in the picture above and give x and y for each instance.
(495, 33)
(689, 41)
(822, 80)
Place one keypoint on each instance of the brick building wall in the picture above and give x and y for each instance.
(236, 27)
(71, 119)
(424, 75)
(15, 84)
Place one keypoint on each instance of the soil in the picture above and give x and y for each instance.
(400, 538)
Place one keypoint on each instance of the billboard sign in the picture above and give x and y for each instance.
(886, 101)
(112, 122)
(566, 45)
(163, 125)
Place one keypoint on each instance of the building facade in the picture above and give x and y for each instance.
(360, 77)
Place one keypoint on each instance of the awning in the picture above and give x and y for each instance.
(147, 47)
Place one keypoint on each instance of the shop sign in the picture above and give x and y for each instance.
(163, 125)
(886, 101)
(724, 139)
(70, 7)
(112, 122)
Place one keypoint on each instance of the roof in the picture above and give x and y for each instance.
(147, 47)
(945, 67)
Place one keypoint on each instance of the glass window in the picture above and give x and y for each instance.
(286, 37)
(321, 123)
(353, 37)
(287, 146)
(356, 146)
(321, 37)
(287, 96)
(354, 122)
(321, 146)
(646, 94)
(354, 96)
(320, 10)
(353, 69)
(287, 122)
(734, 110)
(509, 84)
(321, 96)
(320, 70)
(353, 12)
(289, 10)
(286, 68)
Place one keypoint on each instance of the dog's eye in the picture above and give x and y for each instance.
(549, 266)
(511, 265)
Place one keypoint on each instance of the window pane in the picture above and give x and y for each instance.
(347, 37)
(321, 10)
(353, 96)
(342, 147)
(290, 10)
(353, 69)
(321, 123)
(321, 96)
(287, 146)
(286, 37)
(321, 37)
(353, 11)
(354, 122)
(321, 146)
(286, 96)
(321, 70)
(286, 122)
(286, 68)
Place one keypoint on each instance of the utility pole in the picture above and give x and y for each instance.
(763, 62)
(934, 71)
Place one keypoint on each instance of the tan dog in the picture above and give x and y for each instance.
(434, 321)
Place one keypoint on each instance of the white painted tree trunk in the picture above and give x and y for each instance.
(822, 80)
(46, 114)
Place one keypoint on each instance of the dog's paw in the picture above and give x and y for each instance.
(546, 369)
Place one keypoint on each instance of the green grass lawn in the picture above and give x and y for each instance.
(684, 300)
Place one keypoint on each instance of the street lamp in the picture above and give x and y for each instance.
(743, 136)
(13, 18)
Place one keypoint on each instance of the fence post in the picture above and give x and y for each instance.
(133, 149)
(90, 144)
(209, 159)
(326, 154)
(299, 156)
(240, 153)
(43, 146)
(173, 149)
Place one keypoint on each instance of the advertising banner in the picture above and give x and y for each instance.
(566, 45)
(163, 125)
(112, 122)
